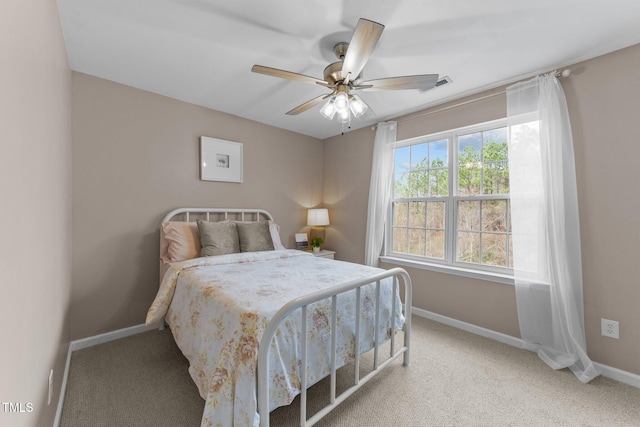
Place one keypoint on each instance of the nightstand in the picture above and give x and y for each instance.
(324, 253)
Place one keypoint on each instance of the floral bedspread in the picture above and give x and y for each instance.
(218, 307)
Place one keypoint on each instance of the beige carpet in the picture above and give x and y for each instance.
(455, 379)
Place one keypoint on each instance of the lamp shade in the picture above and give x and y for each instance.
(318, 217)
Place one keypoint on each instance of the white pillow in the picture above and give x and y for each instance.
(274, 229)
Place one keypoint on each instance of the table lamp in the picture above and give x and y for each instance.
(317, 219)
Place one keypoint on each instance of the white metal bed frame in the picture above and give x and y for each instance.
(301, 303)
(333, 292)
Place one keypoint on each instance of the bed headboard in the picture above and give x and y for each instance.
(216, 214)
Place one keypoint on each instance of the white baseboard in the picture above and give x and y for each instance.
(619, 375)
(90, 342)
(487, 333)
(110, 336)
(63, 389)
(606, 371)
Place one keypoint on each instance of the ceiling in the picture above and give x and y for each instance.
(202, 51)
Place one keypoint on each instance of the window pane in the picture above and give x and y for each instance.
(401, 185)
(439, 182)
(420, 156)
(494, 249)
(417, 242)
(497, 136)
(469, 179)
(435, 244)
(401, 159)
(418, 183)
(470, 163)
(435, 215)
(494, 156)
(400, 214)
(418, 214)
(439, 168)
(469, 247)
(400, 240)
(494, 215)
(438, 153)
(469, 148)
(495, 178)
(469, 215)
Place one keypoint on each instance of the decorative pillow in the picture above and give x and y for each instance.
(255, 236)
(218, 238)
(180, 241)
(274, 230)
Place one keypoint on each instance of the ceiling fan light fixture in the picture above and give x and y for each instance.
(342, 103)
(344, 116)
(357, 106)
(328, 110)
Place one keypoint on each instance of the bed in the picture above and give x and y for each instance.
(237, 314)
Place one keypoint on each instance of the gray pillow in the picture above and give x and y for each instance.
(218, 238)
(254, 236)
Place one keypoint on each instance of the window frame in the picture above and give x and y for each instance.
(449, 264)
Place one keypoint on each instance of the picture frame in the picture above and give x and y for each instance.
(220, 160)
(302, 241)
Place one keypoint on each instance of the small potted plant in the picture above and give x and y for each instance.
(316, 242)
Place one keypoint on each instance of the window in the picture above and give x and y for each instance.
(450, 201)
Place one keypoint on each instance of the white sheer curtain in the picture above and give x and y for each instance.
(379, 190)
(546, 230)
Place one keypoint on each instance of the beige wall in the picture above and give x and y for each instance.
(603, 96)
(604, 103)
(135, 158)
(35, 189)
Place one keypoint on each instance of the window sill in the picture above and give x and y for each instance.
(447, 269)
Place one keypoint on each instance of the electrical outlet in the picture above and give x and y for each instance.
(610, 328)
(50, 387)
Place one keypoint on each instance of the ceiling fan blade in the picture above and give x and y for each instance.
(309, 104)
(275, 72)
(364, 40)
(422, 82)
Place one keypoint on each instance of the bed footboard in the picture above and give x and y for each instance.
(301, 304)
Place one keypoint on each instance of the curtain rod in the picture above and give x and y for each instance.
(564, 73)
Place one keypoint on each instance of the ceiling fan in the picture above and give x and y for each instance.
(343, 77)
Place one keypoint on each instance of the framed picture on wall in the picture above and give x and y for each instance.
(220, 160)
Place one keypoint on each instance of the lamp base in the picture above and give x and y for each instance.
(317, 232)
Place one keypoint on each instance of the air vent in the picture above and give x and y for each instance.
(444, 81)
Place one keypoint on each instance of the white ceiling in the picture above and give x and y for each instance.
(202, 51)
